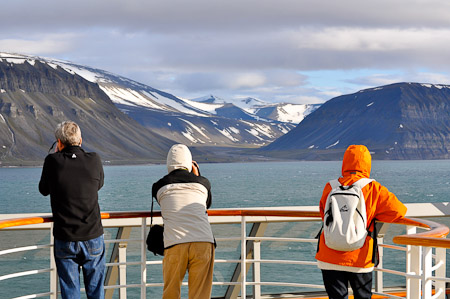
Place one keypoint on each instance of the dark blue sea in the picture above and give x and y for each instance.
(234, 185)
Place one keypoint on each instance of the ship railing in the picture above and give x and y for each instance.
(425, 273)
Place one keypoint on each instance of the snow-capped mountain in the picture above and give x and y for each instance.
(211, 99)
(187, 121)
(257, 109)
(284, 112)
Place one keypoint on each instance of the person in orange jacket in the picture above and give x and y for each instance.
(339, 268)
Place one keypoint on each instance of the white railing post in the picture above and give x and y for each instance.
(413, 266)
(123, 270)
(143, 259)
(440, 272)
(427, 264)
(378, 274)
(243, 258)
(257, 269)
(53, 273)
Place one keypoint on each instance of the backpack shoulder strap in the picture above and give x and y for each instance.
(334, 183)
(362, 182)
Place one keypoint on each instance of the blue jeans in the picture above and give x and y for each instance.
(70, 257)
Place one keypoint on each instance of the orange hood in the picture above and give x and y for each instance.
(357, 161)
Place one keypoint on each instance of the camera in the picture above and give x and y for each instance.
(53, 145)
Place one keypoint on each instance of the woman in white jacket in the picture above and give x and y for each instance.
(184, 196)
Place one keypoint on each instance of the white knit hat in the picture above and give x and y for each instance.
(179, 157)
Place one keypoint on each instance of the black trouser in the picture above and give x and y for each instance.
(336, 284)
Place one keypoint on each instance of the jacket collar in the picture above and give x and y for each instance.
(72, 149)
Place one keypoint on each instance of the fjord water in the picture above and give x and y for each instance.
(234, 185)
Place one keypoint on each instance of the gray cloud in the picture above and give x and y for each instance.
(384, 79)
(203, 15)
(259, 48)
(239, 81)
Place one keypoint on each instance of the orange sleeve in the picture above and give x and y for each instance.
(389, 208)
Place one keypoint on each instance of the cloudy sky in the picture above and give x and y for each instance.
(275, 50)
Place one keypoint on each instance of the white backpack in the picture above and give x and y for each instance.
(345, 219)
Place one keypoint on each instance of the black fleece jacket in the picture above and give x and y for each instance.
(73, 177)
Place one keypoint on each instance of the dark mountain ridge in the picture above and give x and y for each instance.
(397, 121)
(35, 97)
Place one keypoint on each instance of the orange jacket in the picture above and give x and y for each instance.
(380, 204)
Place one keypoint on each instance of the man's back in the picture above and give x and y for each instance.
(184, 199)
(73, 177)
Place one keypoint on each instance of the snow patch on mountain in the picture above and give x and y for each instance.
(83, 72)
(225, 132)
(208, 107)
(293, 113)
(190, 132)
(148, 99)
(283, 128)
(196, 128)
(211, 99)
(177, 105)
(249, 103)
(332, 145)
(127, 97)
(234, 130)
(261, 129)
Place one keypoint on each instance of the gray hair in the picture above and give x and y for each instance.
(69, 133)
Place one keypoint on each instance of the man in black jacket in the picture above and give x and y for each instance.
(73, 177)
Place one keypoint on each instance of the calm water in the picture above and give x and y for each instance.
(236, 185)
(128, 188)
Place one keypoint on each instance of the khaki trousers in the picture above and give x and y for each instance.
(198, 259)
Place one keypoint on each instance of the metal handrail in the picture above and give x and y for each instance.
(432, 237)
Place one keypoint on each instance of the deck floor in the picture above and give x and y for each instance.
(397, 291)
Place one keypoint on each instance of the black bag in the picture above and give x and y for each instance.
(155, 238)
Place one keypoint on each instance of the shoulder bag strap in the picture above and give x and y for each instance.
(374, 235)
(151, 214)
